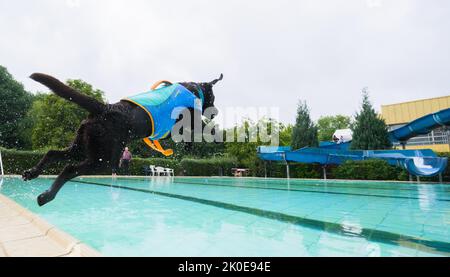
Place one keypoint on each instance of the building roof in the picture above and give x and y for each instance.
(406, 112)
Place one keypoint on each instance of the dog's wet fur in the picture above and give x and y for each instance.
(101, 137)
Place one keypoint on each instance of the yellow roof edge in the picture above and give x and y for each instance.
(413, 101)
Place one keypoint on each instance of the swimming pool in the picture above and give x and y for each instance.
(246, 217)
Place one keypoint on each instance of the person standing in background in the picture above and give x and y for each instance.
(125, 161)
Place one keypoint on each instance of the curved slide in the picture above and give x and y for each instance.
(431, 168)
(421, 126)
(417, 162)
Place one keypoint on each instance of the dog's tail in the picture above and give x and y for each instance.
(90, 104)
(217, 80)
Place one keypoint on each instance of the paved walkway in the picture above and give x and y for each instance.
(24, 234)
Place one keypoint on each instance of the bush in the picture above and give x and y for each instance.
(278, 170)
(15, 162)
(368, 170)
(207, 167)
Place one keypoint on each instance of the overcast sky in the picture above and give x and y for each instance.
(272, 53)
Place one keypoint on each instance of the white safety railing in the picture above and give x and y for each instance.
(1, 164)
(1, 168)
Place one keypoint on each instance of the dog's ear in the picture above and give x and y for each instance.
(216, 80)
(208, 91)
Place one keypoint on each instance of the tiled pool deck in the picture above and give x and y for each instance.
(24, 234)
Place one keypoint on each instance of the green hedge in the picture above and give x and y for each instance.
(15, 162)
(364, 170)
(207, 167)
(369, 170)
(278, 170)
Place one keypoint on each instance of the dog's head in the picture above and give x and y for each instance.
(206, 89)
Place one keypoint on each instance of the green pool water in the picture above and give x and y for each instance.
(246, 217)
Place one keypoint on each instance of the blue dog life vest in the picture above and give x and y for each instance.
(164, 105)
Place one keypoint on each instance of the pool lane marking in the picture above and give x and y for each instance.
(430, 246)
(299, 190)
(335, 186)
(312, 191)
(308, 185)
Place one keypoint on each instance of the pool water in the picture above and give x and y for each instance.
(181, 216)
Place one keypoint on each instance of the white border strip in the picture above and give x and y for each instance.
(72, 246)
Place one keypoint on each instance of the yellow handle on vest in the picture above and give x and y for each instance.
(155, 145)
(156, 85)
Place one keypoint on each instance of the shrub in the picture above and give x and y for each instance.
(367, 170)
(296, 170)
(15, 162)
(207, 167)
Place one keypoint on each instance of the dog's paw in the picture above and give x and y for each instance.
(44, 198)
(29, 175)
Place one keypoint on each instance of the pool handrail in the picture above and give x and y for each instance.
(1, 165)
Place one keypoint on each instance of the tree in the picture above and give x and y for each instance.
(369, 129)
(327, 125)
(248, 136)
(239, 144)
(285, 135)
(304, 132)
(56, 120)
(14, 104)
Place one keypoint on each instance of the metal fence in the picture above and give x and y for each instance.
(437, 136)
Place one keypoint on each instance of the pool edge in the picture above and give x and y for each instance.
(245, 178)
(71, 246)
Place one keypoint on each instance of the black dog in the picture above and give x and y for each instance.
(102, 136)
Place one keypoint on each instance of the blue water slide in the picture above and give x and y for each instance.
(417, 162)
(421, 126)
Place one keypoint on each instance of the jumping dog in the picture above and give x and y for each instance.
(102, 137)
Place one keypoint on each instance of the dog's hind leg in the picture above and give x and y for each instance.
(71, 171)
(53, 156)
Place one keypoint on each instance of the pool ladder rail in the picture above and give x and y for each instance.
(1, 168)
(1, 164)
